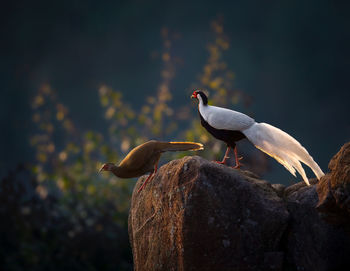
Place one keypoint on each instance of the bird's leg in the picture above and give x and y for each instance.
(156, 167)
(145, 182)
(150, 177)
(225, 156)
(238, 164)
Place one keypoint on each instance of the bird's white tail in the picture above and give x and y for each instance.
(284, 148)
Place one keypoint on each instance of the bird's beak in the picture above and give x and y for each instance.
(101, 169)
(192, 96)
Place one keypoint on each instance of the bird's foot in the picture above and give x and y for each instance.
(238, 164)
(223, 162)
(220, 162)
(142, 186)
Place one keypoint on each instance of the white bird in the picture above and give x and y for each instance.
(231, 126)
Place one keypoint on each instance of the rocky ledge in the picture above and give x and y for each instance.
(198, 215)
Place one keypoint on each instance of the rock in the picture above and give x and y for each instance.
(314, 240)
(198, 215)
(310, 242)
(279, 188)
(334, 189)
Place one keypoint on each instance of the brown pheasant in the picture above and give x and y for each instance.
(144, 159)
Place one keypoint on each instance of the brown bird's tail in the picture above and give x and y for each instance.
(180, 146)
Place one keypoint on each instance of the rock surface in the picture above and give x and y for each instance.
(334, 189)
(198, 215)
(311, 243)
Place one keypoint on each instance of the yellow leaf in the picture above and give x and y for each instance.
(91, 189)
(60, 115)
(63, 156)
(110, 112)
(166, 57)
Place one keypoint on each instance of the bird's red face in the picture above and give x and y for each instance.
(194, 95)
(200, 96)
(106, 167)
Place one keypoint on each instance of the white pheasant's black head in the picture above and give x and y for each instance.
(107, 167)
(200, 96)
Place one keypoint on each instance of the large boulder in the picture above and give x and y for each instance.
(334, 189)
(311, 243)
(198, 215)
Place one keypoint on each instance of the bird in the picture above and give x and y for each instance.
(145, 157)
(231, 126)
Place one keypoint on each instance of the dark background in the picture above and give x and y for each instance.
(292, 57)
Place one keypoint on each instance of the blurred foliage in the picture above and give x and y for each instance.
(71, 216)
(38, 232)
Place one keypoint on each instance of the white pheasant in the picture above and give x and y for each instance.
(231, 126)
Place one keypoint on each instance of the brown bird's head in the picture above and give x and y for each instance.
(107, 167)
(200, 96)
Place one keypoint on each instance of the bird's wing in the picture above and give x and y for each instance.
(141, 155)
(284, 148)
(225, 119)
(147, 154)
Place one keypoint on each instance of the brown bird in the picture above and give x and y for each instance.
(144, 159)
